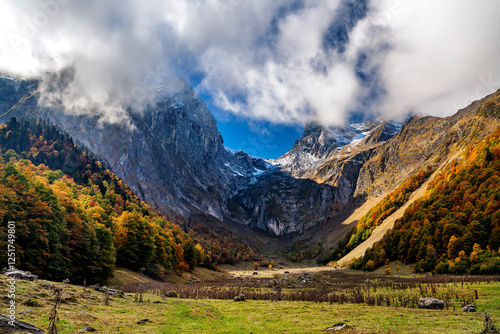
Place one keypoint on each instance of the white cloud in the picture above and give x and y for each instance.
(439, 52)
(108, 45)
(260, 59)
(280, 80)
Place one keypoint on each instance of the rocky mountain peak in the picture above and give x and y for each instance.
(319, 143)
(178, 94)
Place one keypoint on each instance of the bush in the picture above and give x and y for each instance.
(490, 268)
(370, 265)
(265, 263)
(356, 263)
(441, 268)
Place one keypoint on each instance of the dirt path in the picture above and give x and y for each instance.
(388, 223)
(264, 272)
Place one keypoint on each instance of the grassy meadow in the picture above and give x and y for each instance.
(194, 313)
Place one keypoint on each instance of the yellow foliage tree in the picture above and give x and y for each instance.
(454, 246)
(476, 249)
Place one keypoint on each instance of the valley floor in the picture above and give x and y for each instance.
(177, 315)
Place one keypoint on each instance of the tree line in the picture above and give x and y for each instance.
(74, 217)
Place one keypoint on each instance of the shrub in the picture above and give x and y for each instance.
(370, 265)
(441, 268)
(265, 263)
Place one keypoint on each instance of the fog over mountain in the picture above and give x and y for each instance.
(279, 61)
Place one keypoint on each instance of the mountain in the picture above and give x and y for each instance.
(426, 141)
(172, 155)
(335, 155)
(429, 144)
(319, 144)
(455, 227)
(390, 157)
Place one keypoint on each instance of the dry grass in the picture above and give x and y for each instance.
(172, 315)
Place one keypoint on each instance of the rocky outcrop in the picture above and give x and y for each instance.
(430, 303)
(9, 325)
(239, 298)
(469, 308)
(281, 204)
(19, 274)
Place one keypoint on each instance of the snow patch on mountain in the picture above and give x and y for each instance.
(319, 144)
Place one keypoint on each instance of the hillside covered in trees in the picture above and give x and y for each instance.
(75, 218)
(375, 216)
(455, 226)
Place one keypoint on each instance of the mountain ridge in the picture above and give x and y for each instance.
(173, 156)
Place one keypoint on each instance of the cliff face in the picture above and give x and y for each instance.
(170, 153)
(281, 204)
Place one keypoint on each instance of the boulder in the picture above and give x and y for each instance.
(469, 308)
(47, 286)
(277, 288)
(111, 292)
(116, 293)
(239, 298)
(430, 303)
(32, 302)
(26, 275)
(88, 329)
(172, 294)
(336, 328)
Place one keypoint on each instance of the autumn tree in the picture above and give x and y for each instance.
(134, 240)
